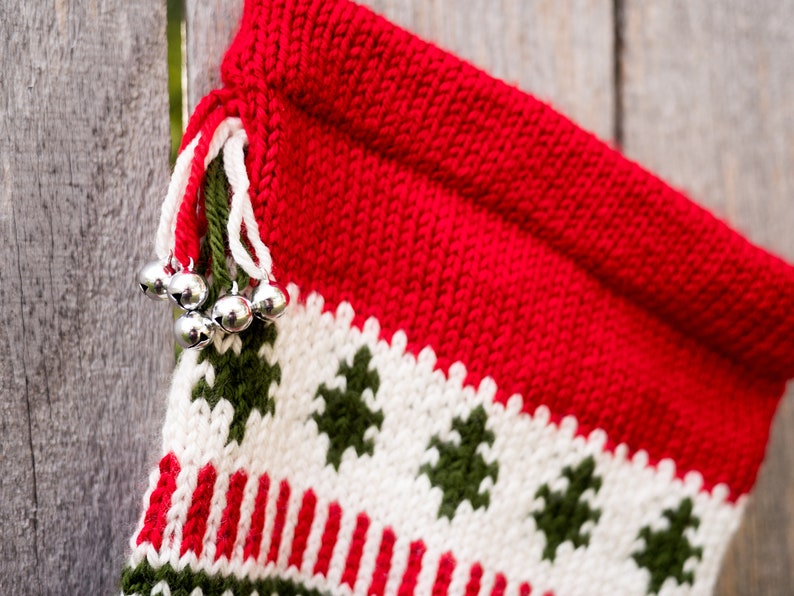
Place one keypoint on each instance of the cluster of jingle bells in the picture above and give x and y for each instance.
(232, 312)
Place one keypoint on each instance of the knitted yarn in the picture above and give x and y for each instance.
(514, 361)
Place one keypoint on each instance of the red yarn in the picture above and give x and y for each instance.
(446, 566)
(302, 529)
(353, 560)
(499, 585)
(188, 235)
(481, 222)
(205, 107)
(412, 569)
(328, 541)
(196, 523)
(253, 542)
(154, 519)
(278, 524)
(382, 564)
(475, 575)
(227, 531)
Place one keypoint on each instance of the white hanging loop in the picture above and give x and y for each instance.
(242, 210)
(166, 230)
(164, 241)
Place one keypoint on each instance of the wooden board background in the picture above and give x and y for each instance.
(83, 359)
(700, 92)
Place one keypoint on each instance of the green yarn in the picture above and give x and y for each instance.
(242, 379)
(667, 551)
(214, 246)
(346, 417)
(564, 512)
(460, 469)
(216, 206)
(143, 578)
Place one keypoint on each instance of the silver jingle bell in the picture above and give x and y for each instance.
(233, 313)
(188, 290)
(269, 300)
(153, 279)
(193, 330)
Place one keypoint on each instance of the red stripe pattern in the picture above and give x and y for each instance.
(227, 532)
(330, 534)
(253, 541)
(364, 535)
(500, 583)
(382, 564)
(154, 519)
(475, 576)
(446, 566)
(350, 573)
(196, 523)
(278, 524)
(302, 528)
(411, 575)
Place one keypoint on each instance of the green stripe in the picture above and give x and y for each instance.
(141, 580)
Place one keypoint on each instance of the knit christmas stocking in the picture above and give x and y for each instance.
(513, 362)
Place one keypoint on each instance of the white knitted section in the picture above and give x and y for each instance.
(419, 402)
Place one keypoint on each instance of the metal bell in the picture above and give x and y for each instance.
(188, 290)
(269, 300)
(233, 312)
(153, 279)
(193, 330)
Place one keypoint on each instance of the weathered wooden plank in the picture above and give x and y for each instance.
(561, 51)
(209, 29)
(707, 90)
(83, 357)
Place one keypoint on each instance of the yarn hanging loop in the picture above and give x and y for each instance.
(242, 212)
(178, 237)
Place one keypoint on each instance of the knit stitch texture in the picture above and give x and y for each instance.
(515, 362)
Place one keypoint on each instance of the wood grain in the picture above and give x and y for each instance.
(707, 91)
(209, 28)
(561, 51)
(83, 357)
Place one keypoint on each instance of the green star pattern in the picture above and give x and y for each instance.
(667, 551)
(243, 380)
(460, 469)
(564, 512)
(347, 417)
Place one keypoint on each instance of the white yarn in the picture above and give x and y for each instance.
(164, 241)
(166, 230)
(229, 136)
(242, 211)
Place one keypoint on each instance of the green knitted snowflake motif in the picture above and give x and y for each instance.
(667, 551)
(346, 417)
(460, 469)
(564, 512)
(242, 379)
